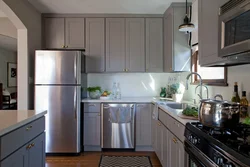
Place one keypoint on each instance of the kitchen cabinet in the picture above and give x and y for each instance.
(66, 33)
(154, 45)
(95, 45)
(208, 21)
(30, 155)
(115, 45)
(159, 143)
(177, 51)
(135, 44)
(92, 129)
(74, 33)
(28, 150)
(153, 129)
(54, 33)
(143, 125)
(194, 20)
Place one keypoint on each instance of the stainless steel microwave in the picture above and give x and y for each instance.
(234, 31)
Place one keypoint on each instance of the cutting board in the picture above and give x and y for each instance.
(187, 117)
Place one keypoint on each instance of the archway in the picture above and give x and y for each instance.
(22, 56)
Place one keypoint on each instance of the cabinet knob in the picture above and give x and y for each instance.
(28, 146)
(66, 46)
(63, 46)
(124, 69)
(33, 144)
(28, 128)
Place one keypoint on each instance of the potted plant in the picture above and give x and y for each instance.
(177, 90)
(94, 92)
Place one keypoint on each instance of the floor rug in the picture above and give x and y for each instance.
(125, 161)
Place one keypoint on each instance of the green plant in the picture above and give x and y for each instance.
(94, 89)
(177, 88)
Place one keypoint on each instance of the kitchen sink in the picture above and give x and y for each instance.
(177, 106)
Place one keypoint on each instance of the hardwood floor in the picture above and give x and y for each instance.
(91, 159)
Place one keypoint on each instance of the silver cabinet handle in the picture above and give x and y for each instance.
(106, 106)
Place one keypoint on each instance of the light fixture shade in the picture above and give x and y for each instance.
(189, 27)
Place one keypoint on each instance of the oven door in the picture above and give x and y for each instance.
(196, 158)
(234, 29)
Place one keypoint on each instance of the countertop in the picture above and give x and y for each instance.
(172, 112)
(13, 119)
(124, 100)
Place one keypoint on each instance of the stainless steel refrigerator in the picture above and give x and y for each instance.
(59, 76)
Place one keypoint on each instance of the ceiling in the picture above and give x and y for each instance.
(103, 6)
(8, 43)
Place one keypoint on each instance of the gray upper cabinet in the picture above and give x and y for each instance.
(95, 45)
(92, 129)
(115, 45)
(154, 45)
(74, 33)
(208, 20)
(177, 52)
(54, 33)
(135, 44)
(143, 125)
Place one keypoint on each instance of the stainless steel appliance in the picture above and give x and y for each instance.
(58, 90)
(118, 126)
(234, 29)
(219, 113)
(212, 147)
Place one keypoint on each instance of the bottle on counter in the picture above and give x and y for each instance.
(236, 97)
(114, 89)
(118, 91)
(243, 105)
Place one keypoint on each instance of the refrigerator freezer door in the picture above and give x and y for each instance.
(63, 118)
(58, 67)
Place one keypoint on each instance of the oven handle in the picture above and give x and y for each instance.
(198, 156)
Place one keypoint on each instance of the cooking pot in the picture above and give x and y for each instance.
(219, 113)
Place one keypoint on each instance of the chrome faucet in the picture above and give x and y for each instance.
(205, 88)
(218, 95)
(188, 76)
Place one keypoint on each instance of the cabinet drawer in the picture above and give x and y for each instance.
(19, 137)
(164, 118)
(177, 128)
(92, 107)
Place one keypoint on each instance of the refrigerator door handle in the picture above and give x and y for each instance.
(75, 69)
(75, 102)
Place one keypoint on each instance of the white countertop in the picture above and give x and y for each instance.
(123, 100)
(13, 119)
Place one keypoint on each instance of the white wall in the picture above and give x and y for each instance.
(132, 84)
(28, 22)
(5, 57)
(7, 28)
(240, 74)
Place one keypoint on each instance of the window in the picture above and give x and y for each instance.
(216, 76)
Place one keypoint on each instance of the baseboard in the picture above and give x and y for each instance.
(144, 148)
(92, 148)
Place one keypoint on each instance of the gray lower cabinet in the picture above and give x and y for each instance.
(154, 44)
(115, 45)
(95, 45)
(92, 127)
(153, 130)
(29, 154)
(135, 44)
(74, 33)
(143, 125)
(54, 33)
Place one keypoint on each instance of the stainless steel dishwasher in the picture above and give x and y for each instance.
(118, 126)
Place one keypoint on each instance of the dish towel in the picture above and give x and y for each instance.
(155, 114)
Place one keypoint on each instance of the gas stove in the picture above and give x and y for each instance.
(218, 147)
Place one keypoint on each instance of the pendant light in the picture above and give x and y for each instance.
(187, 26)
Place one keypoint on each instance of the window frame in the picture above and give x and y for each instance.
(211, 82)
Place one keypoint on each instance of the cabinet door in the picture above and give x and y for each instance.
(54, 33)
(17, 159)
(135, 44)
(154, 45)
(153, 129)
(208, 20)
(168, 42)
(37, 152)
(74, 31)
(181, 154)
(164, 147)
(92, 129)
(172, 151)
(143, 125)
(115, 45)
(95, 51)
(159, 142)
